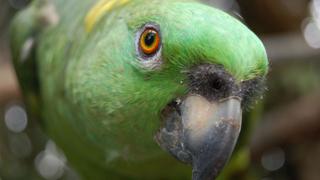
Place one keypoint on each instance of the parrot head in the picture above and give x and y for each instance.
(175, 73)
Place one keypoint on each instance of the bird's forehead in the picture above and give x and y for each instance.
(99, 9)
(192, 29)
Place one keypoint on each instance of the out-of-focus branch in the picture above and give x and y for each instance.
(288, 125)
(8, 84)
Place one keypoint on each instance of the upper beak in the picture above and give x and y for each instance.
(203, 134)
(211, 130)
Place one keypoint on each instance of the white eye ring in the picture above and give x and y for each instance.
(153, 61)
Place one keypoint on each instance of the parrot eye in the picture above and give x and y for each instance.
(149, 41)
(148, 46)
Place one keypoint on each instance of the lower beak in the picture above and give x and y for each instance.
(204, 134)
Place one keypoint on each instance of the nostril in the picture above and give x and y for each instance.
(217, 84)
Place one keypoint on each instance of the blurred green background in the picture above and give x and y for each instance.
(281, 135)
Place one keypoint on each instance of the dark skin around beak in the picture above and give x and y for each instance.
(202, 133)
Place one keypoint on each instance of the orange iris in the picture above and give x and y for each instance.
(149, 41)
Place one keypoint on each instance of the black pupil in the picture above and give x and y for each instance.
(150, 38)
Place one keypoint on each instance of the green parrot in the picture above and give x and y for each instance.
(129, 89)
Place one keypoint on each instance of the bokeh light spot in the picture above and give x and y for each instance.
(16, 118)
(312, 35)
(50, 163)
(20, 145)
(273, 159)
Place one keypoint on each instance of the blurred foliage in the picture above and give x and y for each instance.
(289, 81)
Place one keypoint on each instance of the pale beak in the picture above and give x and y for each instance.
(203, 134)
